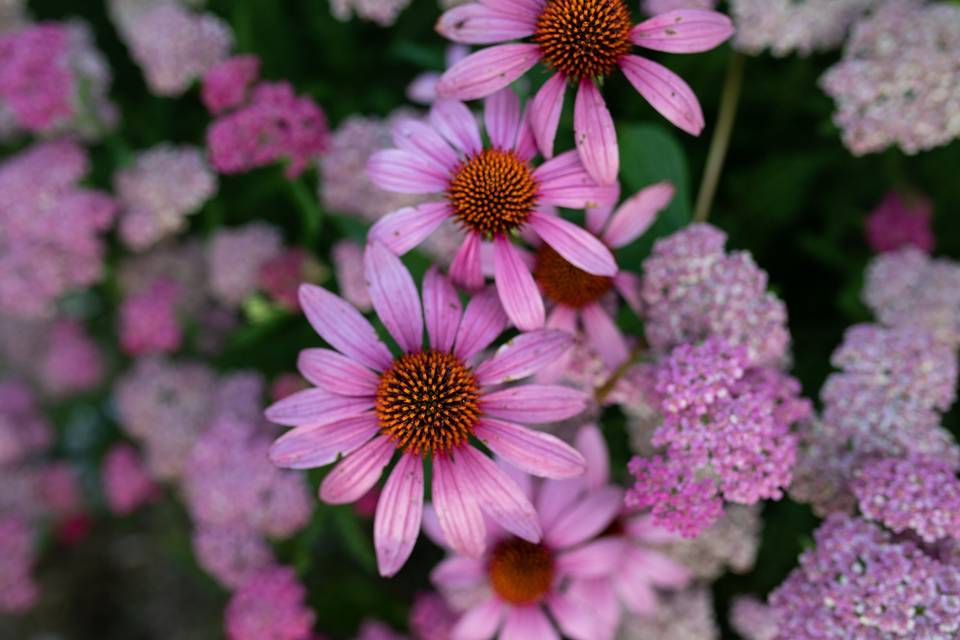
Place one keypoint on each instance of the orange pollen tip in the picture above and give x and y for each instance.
(493, 192)
(427, 402)
(566, 284)
(521, 572)
(584, 38)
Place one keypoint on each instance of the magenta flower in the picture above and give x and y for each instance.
(492, 192)
(270, 605)
(426, 402)
(227, 84)
(899, 222)
(148, 320)
(580, 40)
(126, 483)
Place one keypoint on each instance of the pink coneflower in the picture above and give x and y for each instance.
(426, 402)
(516, 582)
(492, 192)
(580, 40)
(579, 296)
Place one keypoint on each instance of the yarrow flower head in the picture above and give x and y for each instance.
(235, 258)
(492, 192)
(18, 591)
(426, 403)
(227, 84)
(281, 275)
(270, 606)
(383, 12)
(686, 615)
(148, 320)
(791, 26)
(753, 619)
(73, 362)
(580, 41)
(901, 221)
(126, 482)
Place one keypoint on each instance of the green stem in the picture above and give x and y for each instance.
(635, 356)
(721, 137)
(311, 217)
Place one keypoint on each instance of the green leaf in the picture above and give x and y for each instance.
(354, 538)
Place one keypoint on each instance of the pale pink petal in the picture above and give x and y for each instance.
(480, 622)
(499, 496)
(336, 373)
(487, 71)
(525, 623)
(556, 497)
(483, 321)
(526, 147)
(399, 510)
(564, 164)
(595, 559)
(518, 292)
(405, 172)
(535, 452)
(636, 215)
(683, 31)
(419, 138)
(565, 183)
(604, 336)
(342, 326)
(523, 479)
(474, 23)
(357, 473)
(589, 442)
(656, 568)
(597, 217)
(394, 296)
(598, 597)
(575, 619)
(563, 318)
(458, 572)
(636, 593)
(406, 228)
(545, 110)
(431, 527)
(643, 529)
(629, 285)
(457, 511)
(312, 445)
(316, 406)
(441, 310)
(595, 134)
(575, 244)
(523, 356)
(586, 518)
(466, 269)
(666, 92)
(534, 403)
(457, 124)
(501, 114)
(528, 9)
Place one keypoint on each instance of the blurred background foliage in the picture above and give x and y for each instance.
(791, 194)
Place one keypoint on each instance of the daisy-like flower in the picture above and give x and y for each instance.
(578, 296)
(492, 192)
(580, 41)
(428, 403)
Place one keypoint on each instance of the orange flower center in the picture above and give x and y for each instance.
(566, 284)
(521, 572)
(584, 38)
(427, 402)
(493, 192)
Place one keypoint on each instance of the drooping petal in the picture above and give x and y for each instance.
(474, 23)
(524, 623)
(457, 124)
(417, 137)
(595, 134)
(683, 31)
(597, 217)
(656, 568)
(604, 336)
(482, 322)
(342, 326)
(499, 496)
(336, 373)
(535, 452)
(457, 511)
(399, 511)
(565, 183)
(487, 71)
(312, 446)
(666, 92)
(315, 407)
(556, 497)
(589, 442)
(527, 9)
(357, 473)
(576, 245)
(526, 146)
(394, 296)
(636, 215)
(466, 269)
(501, 114)
(441, 310)
(405, 172)
(599, 599)
(518, 292)
(629, 286)
(457, 572)
(585, 518)
(534, 403)
(573, 616)
(406, 228)
(595, 559)
(636, 592)
(523, 355)
(545, 110)
(523, 479)
(480, 622)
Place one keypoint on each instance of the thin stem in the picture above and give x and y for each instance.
(721, 137)
(606, 388)
(311, 217)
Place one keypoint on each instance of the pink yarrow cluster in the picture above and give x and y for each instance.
(127, 484)
(901, 221)
(148, 320)
(270, 606)
(236, 257)
(50, 229)
(787, 27)
(72, 363)
(383, 12)
(227, 84)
